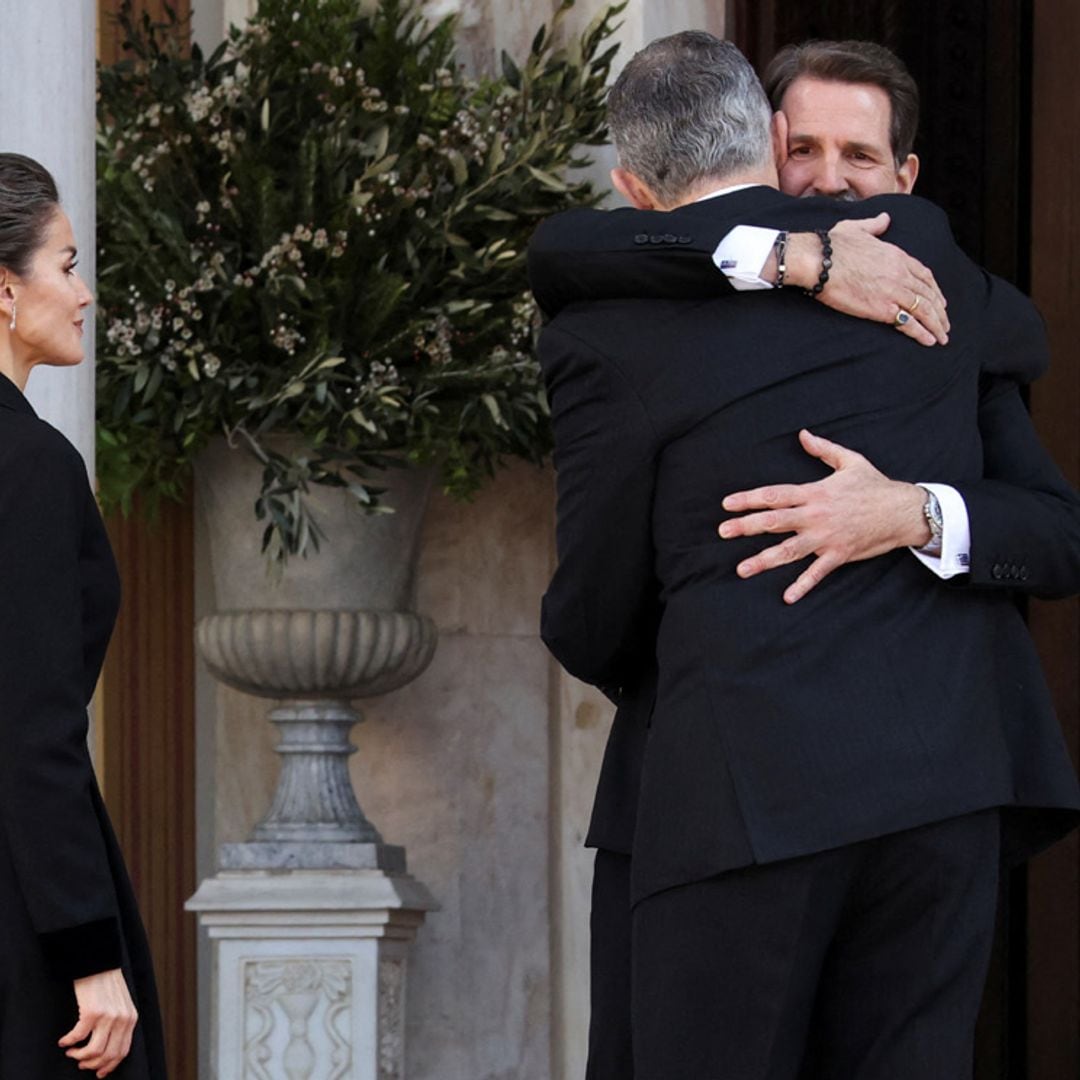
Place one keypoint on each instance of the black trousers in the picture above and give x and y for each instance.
(866, 962)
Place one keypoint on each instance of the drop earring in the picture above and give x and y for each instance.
(12, 326)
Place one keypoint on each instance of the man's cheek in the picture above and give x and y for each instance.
(795, 178)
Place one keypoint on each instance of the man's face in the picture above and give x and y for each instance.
(838, 142)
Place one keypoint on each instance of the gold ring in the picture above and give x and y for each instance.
(914, 307)
(902, 318)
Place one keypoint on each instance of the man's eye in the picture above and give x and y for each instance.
(71, 268)
(799, 151)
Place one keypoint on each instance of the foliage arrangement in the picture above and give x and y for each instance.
(320, 230)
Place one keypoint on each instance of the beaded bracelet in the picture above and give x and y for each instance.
(826, 263)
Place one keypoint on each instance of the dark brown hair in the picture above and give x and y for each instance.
(852, 62)
(28, 200)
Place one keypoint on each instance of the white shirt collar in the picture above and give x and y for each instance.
(726, 191)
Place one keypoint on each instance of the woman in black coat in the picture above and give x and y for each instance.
(76, 986)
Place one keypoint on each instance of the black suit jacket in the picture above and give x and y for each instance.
(66, 904)
(883, 700)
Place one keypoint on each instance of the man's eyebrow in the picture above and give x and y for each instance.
(868, 148)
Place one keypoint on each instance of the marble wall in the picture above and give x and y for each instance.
(484, 768)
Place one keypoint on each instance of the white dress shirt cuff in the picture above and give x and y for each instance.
(955, 557)
(742, 255)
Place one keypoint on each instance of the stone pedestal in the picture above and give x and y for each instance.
(309, 971)
(311, 917)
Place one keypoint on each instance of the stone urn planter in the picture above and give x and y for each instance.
(332, 628)
(310, 919)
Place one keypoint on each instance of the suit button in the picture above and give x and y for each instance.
(996, 571)
(670, 238)
(686, 239)
(1014, 573)
(641, 238)
(657, 239)
(1024, 575)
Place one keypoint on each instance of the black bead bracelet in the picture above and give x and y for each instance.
(826, 262)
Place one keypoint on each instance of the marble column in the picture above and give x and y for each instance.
(47, 56)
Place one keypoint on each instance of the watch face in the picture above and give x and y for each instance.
(935, 511)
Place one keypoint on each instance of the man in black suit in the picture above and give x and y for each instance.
(817, 815)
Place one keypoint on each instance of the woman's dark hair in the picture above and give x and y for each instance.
(28, 200)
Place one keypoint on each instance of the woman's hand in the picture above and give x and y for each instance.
(107, 1018)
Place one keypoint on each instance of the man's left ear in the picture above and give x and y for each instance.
(634, 190)
(780, 139)
(907, 174)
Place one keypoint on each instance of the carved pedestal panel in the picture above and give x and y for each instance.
(309, 974)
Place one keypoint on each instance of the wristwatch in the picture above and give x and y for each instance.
(932, 512)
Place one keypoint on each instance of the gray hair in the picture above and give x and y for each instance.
(688, 108)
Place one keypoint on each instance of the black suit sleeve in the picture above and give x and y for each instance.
(1024, 516)
(46, 780)
(599, 612)
(611, 254)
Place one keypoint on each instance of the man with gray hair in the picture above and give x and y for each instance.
(813, 843)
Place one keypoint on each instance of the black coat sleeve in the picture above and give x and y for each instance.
(610, 254)
(599, 614)
(1024, 515)
(47, 783)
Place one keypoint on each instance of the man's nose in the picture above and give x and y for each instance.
(830, 179)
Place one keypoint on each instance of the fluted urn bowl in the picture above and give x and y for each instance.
(313, 655)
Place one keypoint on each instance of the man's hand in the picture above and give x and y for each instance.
(854, 514)
(871, 279)
(107, 1018)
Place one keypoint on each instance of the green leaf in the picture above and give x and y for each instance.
(493, 408)
(549, 181)
(459, 166)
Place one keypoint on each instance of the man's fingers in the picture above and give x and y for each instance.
(791, 550)
(875, 226)
(833, 454)
(928, 307)
(915, 330)
(933, 319)
(767, 521)
(776, 496)
(924, 283)
(810, 578)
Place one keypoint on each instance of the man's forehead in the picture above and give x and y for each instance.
(856, 111)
